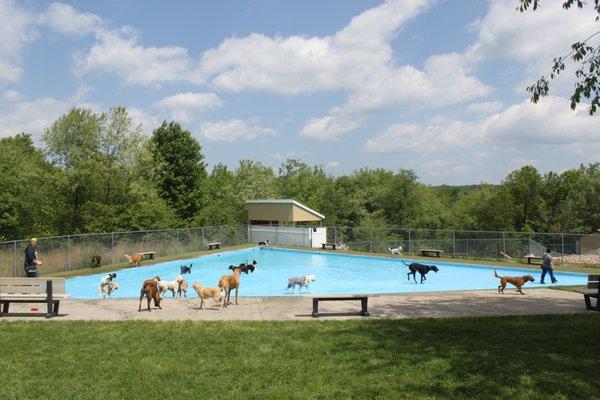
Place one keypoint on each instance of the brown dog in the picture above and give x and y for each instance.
(182, 288)
(517, 281)
(228, 283)
(150, 290)
(207, 293)
(135, 259)
(96, 261)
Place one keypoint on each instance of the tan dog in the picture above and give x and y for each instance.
(517, 281)
(228, 283)
(135, 259)
(183, 288)
(207, 293)
(150, 290)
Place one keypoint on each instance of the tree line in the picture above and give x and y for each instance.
(97, 172)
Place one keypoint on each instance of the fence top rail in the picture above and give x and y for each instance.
(456, 230)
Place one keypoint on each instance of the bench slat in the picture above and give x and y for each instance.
(593, 285)
(31, 281)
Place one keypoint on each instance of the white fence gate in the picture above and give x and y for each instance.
(287, 235)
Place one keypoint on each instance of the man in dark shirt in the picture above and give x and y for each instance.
(31, 261)
(547, 267)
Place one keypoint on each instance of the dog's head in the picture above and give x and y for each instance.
(310, 278)
(157, 278)
(254, 262)
(231, 267)
(179, 279)
(528, 278)
(434, 268)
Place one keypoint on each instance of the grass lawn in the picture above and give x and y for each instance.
(536, 357)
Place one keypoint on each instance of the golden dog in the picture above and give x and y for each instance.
(135, 259)
(207, 293)
(517, 281)
(183, 288)
(151, 291)
(228, 283)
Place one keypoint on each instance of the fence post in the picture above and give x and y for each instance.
(409, 241)
(112, 245)
(371, 239)
(504, 242)
(203, 238)
(454, 243)
(69, 252)
(221, 235)
(562, 243)
(334, 234)
(15, 258)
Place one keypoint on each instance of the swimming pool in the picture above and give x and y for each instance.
(336, 274)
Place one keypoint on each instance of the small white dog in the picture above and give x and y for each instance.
(397, 251)
(106, 290)
(343, 246)
(173, 286)
(300, 281)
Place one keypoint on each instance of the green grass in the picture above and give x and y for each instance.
(536, 357)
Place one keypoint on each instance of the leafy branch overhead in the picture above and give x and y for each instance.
(585, 54)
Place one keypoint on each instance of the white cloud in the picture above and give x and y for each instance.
(118, 52)
(12, 95)
(526, 37)
(186, 107)
(487, 107)
(17, 27)
(149, 122)
(31, 116)
(65, 19)
(331, 127)
(233, 130)
(332, 164)
(521, 126)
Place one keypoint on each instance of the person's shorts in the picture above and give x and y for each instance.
(31, 271)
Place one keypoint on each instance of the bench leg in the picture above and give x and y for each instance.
(315, 312)
(588, 303)
(363, 305)
(5, 308)
(56, 307)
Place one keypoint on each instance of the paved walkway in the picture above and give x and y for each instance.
(413, 305)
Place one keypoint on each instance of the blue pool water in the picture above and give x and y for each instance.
(336, 274)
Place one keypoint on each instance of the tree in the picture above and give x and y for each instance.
(29, 203)
(180, 171)
(526, 191)
(583, 53)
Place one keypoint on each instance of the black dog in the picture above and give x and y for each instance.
(421, 269)
(245, 267)
(185, 269)
(96, 261)
(264, 243)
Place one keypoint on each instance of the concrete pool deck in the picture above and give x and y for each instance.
(397, 306)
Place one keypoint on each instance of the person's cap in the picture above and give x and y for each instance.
(33, 240)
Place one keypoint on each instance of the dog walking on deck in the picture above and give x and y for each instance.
(517, 281)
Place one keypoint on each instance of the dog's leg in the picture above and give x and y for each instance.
(201, 302)
(519, 290)
(236, 294)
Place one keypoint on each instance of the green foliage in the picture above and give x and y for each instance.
(179, 169)
(98, 173)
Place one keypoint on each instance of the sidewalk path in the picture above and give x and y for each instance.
(412, 305)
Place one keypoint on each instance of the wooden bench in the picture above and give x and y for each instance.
(533, 258)
(332, 245)
(593, 290)
(32, 290)
(148, 255)
(216, 245)
(425, 252)
(363, 302)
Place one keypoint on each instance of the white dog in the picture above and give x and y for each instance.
(106, 290)
(397, 251)
(173, 286)
(343, 246)
(300, 281)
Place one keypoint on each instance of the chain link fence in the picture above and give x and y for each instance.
(66, 253)
(72, 252)
(472, 244)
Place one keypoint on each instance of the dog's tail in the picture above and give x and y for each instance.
(408, 265)
(390, 249)
(128, 257)
(496, 274)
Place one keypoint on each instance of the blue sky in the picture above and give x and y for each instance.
(432, 86)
